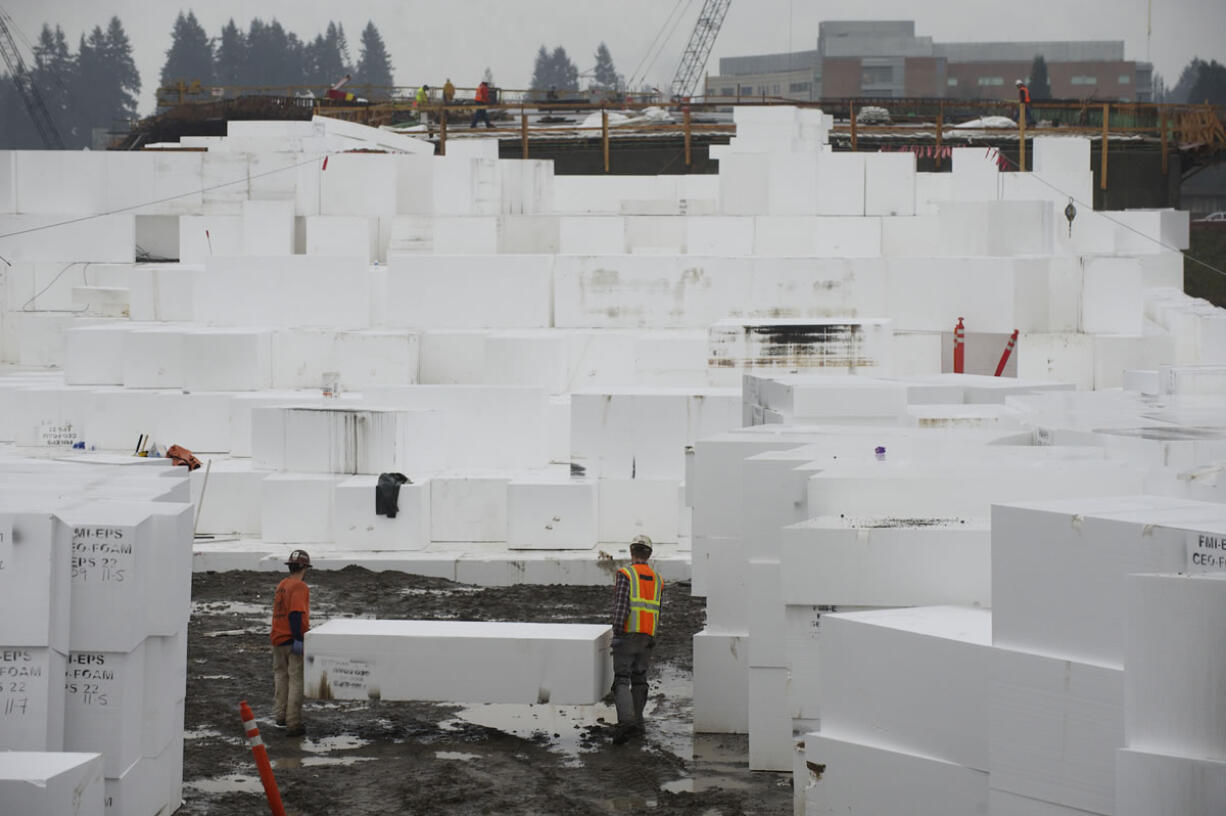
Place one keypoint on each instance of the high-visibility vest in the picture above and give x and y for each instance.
(1023, 94)
(645, 591)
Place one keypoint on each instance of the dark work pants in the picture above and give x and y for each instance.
(631, 660)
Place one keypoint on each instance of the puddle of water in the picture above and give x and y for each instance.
(631, 804)
(324, 745)
(678, 786)
(317, 761)
(234, 783)
(565, 725)
(456, 755)
(202, 733)
(230, 608)
(214, 677)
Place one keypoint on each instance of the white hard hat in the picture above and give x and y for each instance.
(1019, 82)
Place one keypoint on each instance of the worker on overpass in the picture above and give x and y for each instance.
(637, 593)
(482, 98)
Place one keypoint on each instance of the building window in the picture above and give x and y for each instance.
(727, 91)
(1084, 80)
(798, 87)
(991, 80)
(1125, 79)
(951, 82)
(877, 74)
(775, 90)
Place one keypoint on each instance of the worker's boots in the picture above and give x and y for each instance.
(640, 702)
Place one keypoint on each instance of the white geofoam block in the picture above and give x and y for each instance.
(454, 661)
(51, 784)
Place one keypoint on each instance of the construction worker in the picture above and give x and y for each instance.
(1023, 99)
(483, 98)
(448, 91)
(636, 615)
(422, 100)
(291, 619)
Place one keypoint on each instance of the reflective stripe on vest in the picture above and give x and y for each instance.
(645, 591)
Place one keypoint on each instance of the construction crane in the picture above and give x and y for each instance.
(702, 39)
(26, 87)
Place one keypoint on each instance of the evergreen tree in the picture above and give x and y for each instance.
(274, 57)
(90, 89)
(541, 75)
(54, 75)
(190, 57)
(1187, 78)
(342, 45)
(374, 70)
(605, 76)
(1210, 84)
(567, 75)
(231, 56)
(1040, 87)
(325, 63)
(123, 80)
(1158, 87)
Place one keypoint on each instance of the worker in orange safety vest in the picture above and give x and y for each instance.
(291, 619)
(636, 616)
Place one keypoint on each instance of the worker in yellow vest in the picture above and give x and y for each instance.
(636, 616)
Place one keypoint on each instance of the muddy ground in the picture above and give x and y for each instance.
(361, 758)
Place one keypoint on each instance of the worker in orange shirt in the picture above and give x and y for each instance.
(291, 619)
(482, 98)
(1023, 99)
(636, 614)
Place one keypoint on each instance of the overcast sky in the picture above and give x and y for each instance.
(429, 41)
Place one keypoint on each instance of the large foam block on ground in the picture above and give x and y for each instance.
(356, 526)
(459, 661)
(744, 184)
(1175, 661)
(343, 439)
(227, 359)
(466, 186)
(102, 710)
(1003, 803)
(162, 291)
(230, 504)
(721, 677)
(871, 779)
(527, 358)
(480, 425)
(886, 562)
(469, 506)
(940, 711)
(1111, 302)
(335, 235)
(153, 357)
(1054, 727)
(591, 235)
(840, 184)
(992, 294)
(465, 235)
(440, 291)
(630, 507)
(31, 699)
(359, 184)
(298, 507)
(1065, 357)
(770, 721)
(551, 514)
(804, 397)
(101, 239)
(719, 235)
(298, 290)
(203, 235)
(115, 555)
(528, 234)
(1069, 154)
(995, 228)
(1077, 554)
(365, 358)
(889, 184)
(975, 175)
(93, 355)
(1147, 783)
(627, 434)
(268, 228)
(899, 489)
(835, 344)
(34, 578)
(51, 784)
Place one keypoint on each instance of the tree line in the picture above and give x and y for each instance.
(554, 70)
(94, 87)
(265, 55)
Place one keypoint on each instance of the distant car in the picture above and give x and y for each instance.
(1217, 216)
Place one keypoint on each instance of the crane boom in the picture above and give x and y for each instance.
(702, 39)
(26, 88)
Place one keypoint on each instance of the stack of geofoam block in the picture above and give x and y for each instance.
(94, 639)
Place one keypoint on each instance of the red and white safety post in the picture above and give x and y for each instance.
(959, 348)
(1004, 358)
(261, 760)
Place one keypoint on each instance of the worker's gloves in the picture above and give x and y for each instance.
(296, 648)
